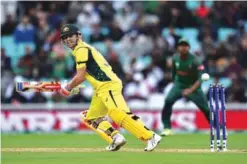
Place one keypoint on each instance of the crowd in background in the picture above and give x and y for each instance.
(133, 43)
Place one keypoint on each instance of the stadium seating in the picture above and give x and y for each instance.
(223, 33)
(192, 5)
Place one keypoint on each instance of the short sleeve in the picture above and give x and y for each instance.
(199, 68)
(81, 57)
(199, 65)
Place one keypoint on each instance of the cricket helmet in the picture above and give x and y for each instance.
(68, 29)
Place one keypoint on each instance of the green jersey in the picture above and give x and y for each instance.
(185, 72)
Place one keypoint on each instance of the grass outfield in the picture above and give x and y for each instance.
(89, 149)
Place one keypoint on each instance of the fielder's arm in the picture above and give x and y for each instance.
(198, 66)
(200, 69)
(195, 85)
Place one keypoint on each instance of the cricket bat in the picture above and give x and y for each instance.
(35, 86)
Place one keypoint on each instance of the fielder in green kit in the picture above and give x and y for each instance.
(186, 74)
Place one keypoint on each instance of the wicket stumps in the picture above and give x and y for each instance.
(217, 105)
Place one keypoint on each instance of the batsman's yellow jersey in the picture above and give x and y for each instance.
(99, 73)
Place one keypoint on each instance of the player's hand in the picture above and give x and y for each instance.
(64, 91)
(75, 91)
(187, 92)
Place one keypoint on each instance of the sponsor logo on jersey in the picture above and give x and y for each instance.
(182, 73)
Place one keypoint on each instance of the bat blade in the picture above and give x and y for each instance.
(40, 86)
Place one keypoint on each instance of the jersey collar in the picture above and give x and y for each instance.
(79, 44)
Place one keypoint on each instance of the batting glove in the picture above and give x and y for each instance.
(64, 91)
(75, 91)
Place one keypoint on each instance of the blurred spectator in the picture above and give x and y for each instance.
(211, 67)
(231, 15)
(74, 9)
(88, 16)
(208, 28)
(42, 32)
(5, 62)
(243, 52)
(115, 32)
(243, 80)
(240, 31)
(25, 31)
(127, 16)
(153, 76)
(221, 51)
(151, 6)
(176, 14)
(54, 17)
(208, 46)
(164, 14)
(144, 19)
(96, 35)
(144, 83)
(62, 7)
(14, 97)
(43, 65)
(26, 63)
(106, 11)
(8, 8)
(60, 57)
(202, 11)
(233, 67)
(113, 60)
(137, 89)
(9, 26)
(232, 45)
(221, 65)
(32, 15)
(57, 98)
(6, 72)
(235, 93)
(172, 39)
(134, 45)
(53, 37)
(38, 98)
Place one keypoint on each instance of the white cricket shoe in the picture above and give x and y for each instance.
(153, 142)
(118, 142)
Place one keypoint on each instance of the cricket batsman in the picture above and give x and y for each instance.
(186, 75)
(107, 99)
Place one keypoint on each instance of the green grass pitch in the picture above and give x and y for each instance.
(77, 148)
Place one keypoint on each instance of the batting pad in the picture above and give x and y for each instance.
(136, 128)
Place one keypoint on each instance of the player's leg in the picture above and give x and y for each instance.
(174, 94)
(95, 119)
(200, 99)
(119, 112)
